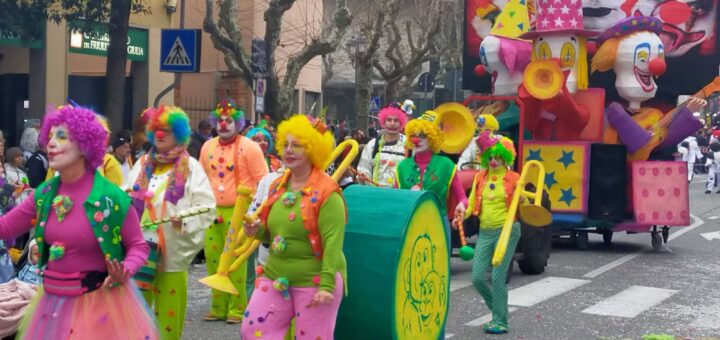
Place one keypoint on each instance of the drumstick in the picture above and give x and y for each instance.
(181, 215)
(360, 174)
(461, 230)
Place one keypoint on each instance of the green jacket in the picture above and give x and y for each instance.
(106, 207)
(437, 178)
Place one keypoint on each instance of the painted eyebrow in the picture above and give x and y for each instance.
(643, 45)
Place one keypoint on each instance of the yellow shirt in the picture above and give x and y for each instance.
(494, 207)
(111, 169)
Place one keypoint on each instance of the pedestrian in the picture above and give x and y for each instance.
(230, 161)
(713, 166)
(37, 168)
(86, 268)
(15, 173)
(165, 183)
(305, 274)
(121, 152)
(690, 152)
(381, 156)
(199, 137)
(29, 138)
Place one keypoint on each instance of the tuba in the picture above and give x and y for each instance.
(457, 125)
(238, 246)
(543, 79)
(532, 214)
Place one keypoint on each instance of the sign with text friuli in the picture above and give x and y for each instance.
(93, 39)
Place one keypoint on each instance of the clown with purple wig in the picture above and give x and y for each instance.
(230, 161)
(381, 155)
(172, 195)
(88, 237)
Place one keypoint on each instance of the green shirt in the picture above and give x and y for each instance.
(494, 207)
(297, 262)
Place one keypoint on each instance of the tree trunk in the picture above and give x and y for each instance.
(363, 90)
(116, 62)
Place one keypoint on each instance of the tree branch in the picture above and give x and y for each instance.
(234, 55)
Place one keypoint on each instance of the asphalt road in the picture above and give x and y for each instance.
(624, 291)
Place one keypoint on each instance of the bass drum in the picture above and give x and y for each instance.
(397, 252)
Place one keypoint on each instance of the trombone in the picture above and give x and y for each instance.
(238, 246)
(533, 214)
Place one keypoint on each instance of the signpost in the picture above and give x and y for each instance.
(374, 105)
(260, 87)
(95, 41)
(180, 50)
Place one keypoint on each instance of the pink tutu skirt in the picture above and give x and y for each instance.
(115, 313)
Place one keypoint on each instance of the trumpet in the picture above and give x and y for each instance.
(238, 246)
(533, 214)
(543, 79)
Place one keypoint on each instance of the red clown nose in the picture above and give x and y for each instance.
(480, 70)
(160, 134)
(223, 125)
(657, 67)
(415, 140)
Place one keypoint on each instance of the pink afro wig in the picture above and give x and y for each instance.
(392, 111)
(227, 107)
(84, 128)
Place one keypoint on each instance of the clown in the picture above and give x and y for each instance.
(168, 183)
(491, 194)
(230, 160)
(487, 126)
(559, 37)
(426, 170)
(262, 137)
(633, 49)
(381, 155)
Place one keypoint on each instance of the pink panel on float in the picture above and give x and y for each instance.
(594, 99)
(660, 193)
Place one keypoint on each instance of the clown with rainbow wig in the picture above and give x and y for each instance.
(166, 184)
(88, 237)
(381, 155)
(231, 161)
(264, 139)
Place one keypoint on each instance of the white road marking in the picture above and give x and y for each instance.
(541, 290)
(448, 336)
(485, 318)
(630, 302)
(711, 235)
(709, 319)
(599, 271)
(457, 282)
(711, 218)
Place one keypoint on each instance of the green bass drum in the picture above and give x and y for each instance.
(397, 252)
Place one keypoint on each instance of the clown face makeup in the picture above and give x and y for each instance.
(260, 139)
(294, 155)
(165, 140)
(634, 81)
(686, 23)
(496, 163)
(420, 143)
(503, 81)
(226, 127)
(62, 151)
(565, 48)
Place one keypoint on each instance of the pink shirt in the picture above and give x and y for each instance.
(82, 250)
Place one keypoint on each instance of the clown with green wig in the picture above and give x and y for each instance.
(492, 192)
(231, 161)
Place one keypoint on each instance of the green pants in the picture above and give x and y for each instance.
(224, 305)
(169, 301)
(495, 292)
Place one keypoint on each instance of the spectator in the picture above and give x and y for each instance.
(37, 168)
(199, 137)
(29, 142)
(15, 173)
(121, 151)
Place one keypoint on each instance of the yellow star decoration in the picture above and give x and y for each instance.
(258, 334)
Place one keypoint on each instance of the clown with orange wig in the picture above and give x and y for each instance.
(381, 155)
(167, 183)
(230, 161)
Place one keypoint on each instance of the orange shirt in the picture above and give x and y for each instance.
(223, 163)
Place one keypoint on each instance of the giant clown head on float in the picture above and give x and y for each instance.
(560, 36)
(633, 49)
(502, 55)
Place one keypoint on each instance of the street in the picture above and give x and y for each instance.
(625, 291)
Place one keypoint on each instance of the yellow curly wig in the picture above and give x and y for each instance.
(318, 146)
(432, 131)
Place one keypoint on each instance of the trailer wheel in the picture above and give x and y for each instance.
(607, 237)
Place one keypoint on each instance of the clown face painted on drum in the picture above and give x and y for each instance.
(634, 80)
(61, 150)
(565, 48)
(504, 82)
(226, 127)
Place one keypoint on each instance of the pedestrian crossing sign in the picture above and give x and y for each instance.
(180, 50)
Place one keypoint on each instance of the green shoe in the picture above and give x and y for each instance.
(493, 328)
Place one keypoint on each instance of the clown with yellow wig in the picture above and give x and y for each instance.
(165, 184)
(303, 218)
(230, 161)
(426, 170)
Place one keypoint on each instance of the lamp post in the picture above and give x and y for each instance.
(357, 49)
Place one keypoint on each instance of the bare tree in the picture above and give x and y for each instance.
(226, 37)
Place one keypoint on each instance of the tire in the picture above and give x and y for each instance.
(581, 241)
(607, 237)
(535, 243)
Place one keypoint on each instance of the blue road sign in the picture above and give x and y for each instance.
(180, 50)
(374, 105)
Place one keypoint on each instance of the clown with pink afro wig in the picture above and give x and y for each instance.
(84, 129)
(381, 155)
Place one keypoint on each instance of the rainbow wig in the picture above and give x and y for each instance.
(228, 108)
(421, 126)
(84, 129)
(318, 142)
(392, 111)
(165, 117)
(505, 149)
(514, 54)
(262, 131)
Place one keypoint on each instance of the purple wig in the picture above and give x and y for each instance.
(515, 54)
(395, 112)
(84, 129)
(227, 107)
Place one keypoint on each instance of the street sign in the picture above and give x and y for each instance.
(180, 50)
(260, 86)
(259, 104)
(374, 105)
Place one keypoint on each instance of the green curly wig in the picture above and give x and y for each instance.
(503, 149)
